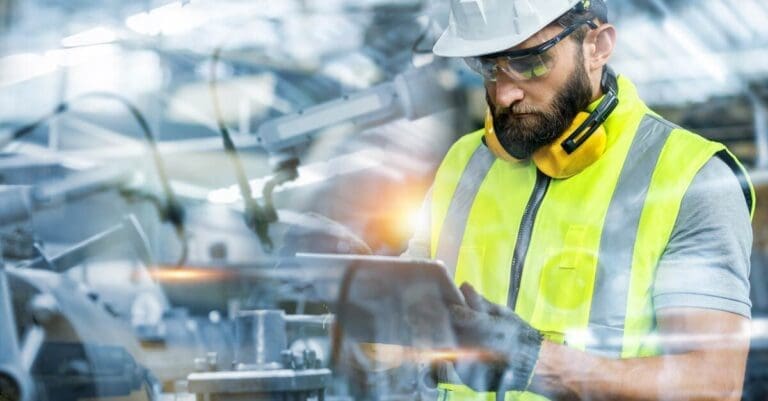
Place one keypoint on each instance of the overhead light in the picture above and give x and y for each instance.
(24, 66)
(224, 196)
(705, 59)
(80, 55)
(94, 36)
(170, 19)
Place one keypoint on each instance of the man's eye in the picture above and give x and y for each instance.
(539, 70)
(521, 65)
(530, 68)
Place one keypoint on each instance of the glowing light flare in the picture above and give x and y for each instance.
(392, 355)
(759, 328)
(466, 354)
(94, 36)
(415, 220)
(671, 340)
(187, 274)
(395, 211)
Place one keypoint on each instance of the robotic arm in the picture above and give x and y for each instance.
(413, 94)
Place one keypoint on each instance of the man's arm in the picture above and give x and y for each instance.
(705, 353)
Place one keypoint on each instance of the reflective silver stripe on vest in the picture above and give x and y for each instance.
(456, 219)
(609, 302)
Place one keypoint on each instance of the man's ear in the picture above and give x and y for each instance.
(599, 46)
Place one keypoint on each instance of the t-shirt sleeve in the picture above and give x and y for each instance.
(706, 263)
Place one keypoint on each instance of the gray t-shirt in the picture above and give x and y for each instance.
(706, 263)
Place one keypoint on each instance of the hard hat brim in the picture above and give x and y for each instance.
(451, 44)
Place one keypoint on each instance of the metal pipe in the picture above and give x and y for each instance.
(9, 343)
(33, 342)
(18, 203)
(316, 320)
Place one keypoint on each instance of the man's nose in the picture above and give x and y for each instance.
(507, 91)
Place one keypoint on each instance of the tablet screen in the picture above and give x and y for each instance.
(397, 302)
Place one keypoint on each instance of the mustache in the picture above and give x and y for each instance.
(515, 109)
(509, 117)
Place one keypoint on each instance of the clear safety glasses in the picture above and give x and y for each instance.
(523, 64)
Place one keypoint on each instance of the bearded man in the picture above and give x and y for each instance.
(603, 252)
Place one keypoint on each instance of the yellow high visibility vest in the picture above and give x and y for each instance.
(576, 258)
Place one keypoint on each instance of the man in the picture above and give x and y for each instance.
(605, 259)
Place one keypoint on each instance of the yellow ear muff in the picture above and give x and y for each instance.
(555, 162)
(492, 141)
(552, 159)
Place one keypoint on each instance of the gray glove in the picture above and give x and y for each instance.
(510, 345)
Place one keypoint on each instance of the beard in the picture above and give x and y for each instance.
(522, 130)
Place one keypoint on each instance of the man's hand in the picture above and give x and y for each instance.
(510, 345)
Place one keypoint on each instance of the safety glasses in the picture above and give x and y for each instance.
(523, 64)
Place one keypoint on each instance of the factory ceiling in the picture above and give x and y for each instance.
(286, 55)
(677, 51)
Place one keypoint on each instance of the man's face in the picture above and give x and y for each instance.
(530, 114)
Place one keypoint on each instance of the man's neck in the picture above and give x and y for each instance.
(595, 79)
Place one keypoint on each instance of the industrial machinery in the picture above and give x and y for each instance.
(95, 316)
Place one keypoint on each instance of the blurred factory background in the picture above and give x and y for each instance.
(118, 194)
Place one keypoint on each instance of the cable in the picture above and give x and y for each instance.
(172, 211)
(256, 217)
(337, 338)
(285, 171)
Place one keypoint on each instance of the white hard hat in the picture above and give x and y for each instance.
(478, 27)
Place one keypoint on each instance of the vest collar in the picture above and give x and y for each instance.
(629, 105)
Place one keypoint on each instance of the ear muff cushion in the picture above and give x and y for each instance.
(492, 141)
(555, 162)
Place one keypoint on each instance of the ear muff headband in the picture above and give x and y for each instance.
(580, 135)
(580, 146)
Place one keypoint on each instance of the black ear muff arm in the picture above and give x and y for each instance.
(609, 86)
(590, 125)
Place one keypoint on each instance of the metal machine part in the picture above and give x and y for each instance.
(261, 338)
(256, 385)
(264, 369)
(413, 94)
(70, 346)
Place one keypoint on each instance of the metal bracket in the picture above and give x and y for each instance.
(128, 231)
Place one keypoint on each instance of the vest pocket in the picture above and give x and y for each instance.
(564, 296)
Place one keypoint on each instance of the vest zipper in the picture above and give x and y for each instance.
(524, 235)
